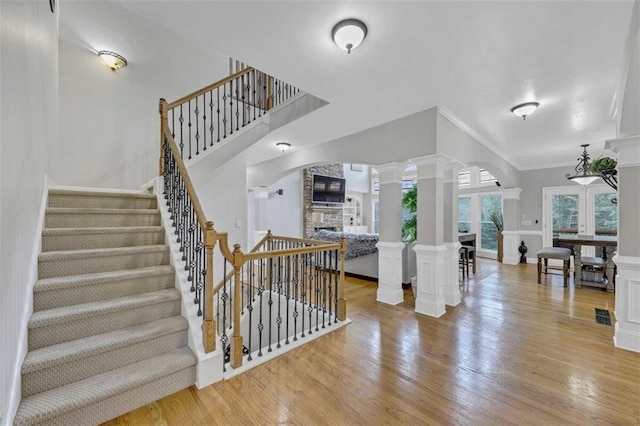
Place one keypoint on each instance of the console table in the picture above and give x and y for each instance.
(606, 242)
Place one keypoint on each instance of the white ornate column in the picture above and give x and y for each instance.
(451, 286)
(510, 235)
(431, 253)
(627, 259)
(390, 243)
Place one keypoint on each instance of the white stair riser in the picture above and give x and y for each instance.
(58, 332)
(55, 298)
(69, 200)
(101, 240)
(97, 220)
(78, 369)
(82, 265)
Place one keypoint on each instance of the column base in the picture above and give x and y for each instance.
(627, 330)
(510, 243)
(451, 288)
(431, 269)
(390, 272)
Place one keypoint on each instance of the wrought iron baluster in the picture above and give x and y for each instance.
(224, 110)
(211, 127)
(204, 121)
(189, 125)
(325, 271)
(253, 74)
(296, 271)
(287, 278)
(231, 104)
(197, 113)
(317, 288)
(303, 290)
(279, 294)
(224, 298)
(244, 104)
(250, 306)
(218, 112)
(181, 120)
(237, 106)
(270, 301)
(261, 274)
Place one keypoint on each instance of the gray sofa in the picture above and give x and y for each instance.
(361, 259)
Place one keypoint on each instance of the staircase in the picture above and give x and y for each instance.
(106, 335)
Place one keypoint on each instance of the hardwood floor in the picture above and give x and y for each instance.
(513, 352)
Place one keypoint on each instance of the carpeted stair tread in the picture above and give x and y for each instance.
(56, 256)
(49, 404)
(58, 283)
(90, 211)
(66, 352)
(72, 192)
(107, 230)
(92, 309)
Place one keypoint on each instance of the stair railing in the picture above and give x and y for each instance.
(206, 117)
(285, 288)
(233, 103)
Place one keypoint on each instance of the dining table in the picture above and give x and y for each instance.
(608, 244)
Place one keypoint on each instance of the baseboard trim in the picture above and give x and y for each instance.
(15, 390)
(361, 277)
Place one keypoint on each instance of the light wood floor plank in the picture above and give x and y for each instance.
(513, 352)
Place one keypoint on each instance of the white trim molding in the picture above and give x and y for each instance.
(390, 172)
(628, 150)
(510, 244)
(430, 262)
(530, 233)
(390, 272)
(451, 289)
(627, 330)
(511, 193)
(432, 166)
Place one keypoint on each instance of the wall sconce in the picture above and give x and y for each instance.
(349, 33)
(112, 59)
(279, 192)
(283, 146)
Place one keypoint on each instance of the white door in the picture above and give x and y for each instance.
(579, 210)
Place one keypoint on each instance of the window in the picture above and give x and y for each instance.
(464, 178)
(486, 177)
(606, 214)
(488, 233)
(464, 214)
(376, 216)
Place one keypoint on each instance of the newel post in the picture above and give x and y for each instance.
(342, 304)
(236, 339)
(162, 109)
(209, 323)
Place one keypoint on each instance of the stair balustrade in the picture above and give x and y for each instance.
(285, 288)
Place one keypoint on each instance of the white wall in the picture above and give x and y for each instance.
(109, 122)
(357, 181)
(223, 195)
(28, 99)
(284, 212)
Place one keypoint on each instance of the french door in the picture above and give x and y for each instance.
(582, 210)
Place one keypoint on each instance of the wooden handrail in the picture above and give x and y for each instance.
(200, 216)
(290, 252)
(208, 88)
(299, 240)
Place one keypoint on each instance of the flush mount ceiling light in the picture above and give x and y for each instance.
(525, 109)
(283, 146)
(349, 33)
(112, 59)
(583, 174)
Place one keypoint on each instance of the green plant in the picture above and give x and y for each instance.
(410, 226)
(496, 218)
(602, 163)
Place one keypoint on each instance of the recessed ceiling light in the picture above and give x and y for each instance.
(525, 109)
(112, 59)
(349, 33)
(283, 146)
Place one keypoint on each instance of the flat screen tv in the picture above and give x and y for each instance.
(327, 189)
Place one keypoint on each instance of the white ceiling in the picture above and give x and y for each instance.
(477, 59)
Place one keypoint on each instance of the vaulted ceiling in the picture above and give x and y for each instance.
(477, 59)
